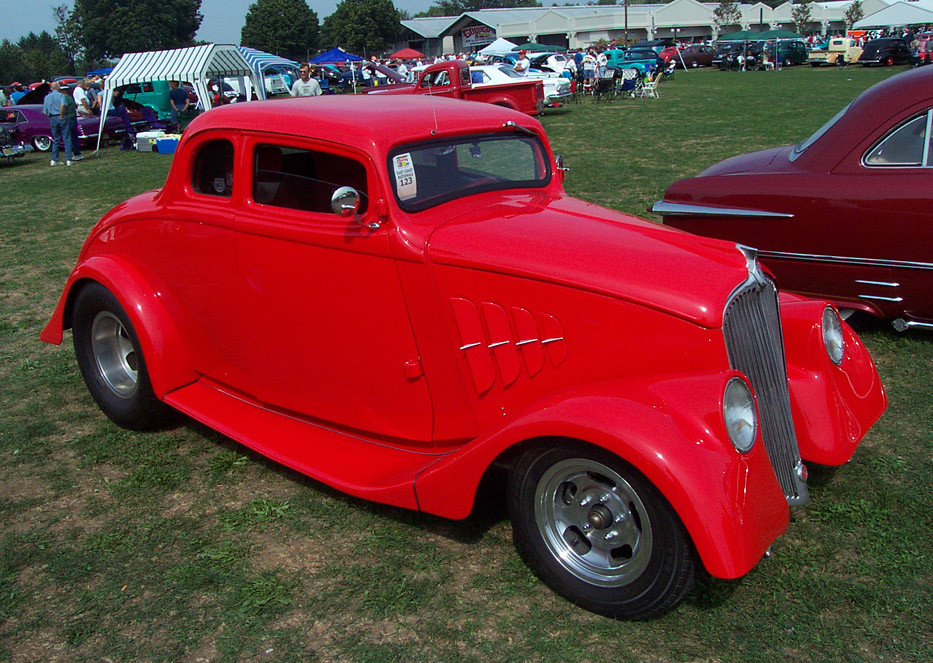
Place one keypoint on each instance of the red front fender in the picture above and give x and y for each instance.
(162, 346)
(672, 432)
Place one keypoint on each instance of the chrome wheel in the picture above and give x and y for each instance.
(114, 354)
(42, 143)
(593, 522)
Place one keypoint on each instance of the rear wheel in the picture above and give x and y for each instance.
(111, 361)
(42, 143)
(598, 533)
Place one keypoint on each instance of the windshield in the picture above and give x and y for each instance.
(802, 146)
(428, 174)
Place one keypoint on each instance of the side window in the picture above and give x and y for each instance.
(304, 179)
(213, 169)
(464, 77)
(906, 146)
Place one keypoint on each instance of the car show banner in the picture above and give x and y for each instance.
(478, 35)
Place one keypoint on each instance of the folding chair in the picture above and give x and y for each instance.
(605, 89)
(650, 88)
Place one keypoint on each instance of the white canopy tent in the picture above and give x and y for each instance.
(260, 61)
(499, 47)
(897, 15)
(196, 65)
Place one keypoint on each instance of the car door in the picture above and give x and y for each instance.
(325, 329)
(885, 241)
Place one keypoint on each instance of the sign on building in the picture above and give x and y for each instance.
(478, 35)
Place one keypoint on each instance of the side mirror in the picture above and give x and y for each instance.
(345, 201)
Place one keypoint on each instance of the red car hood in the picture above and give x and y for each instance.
(775, 158)
(580, 245)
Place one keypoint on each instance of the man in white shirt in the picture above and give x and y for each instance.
(305, 86)
(81, 99)
(523, 64)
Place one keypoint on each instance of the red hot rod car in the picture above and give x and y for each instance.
(396, 313)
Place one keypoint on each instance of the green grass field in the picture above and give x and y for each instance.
(184, 546)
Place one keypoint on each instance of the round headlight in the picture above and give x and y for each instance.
(738, 412)
(832, 336)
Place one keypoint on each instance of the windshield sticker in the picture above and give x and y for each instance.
(405, 181)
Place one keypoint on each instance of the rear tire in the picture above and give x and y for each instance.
(42, 143)
(112, 362)
(598, 533)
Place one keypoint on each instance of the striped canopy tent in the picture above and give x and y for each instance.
(196, 65)
(260, 61)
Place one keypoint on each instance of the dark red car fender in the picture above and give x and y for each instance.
(833, 406)
(162, 346)
(672, 432)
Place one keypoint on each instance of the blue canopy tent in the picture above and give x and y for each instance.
(103, 71)
(335, 56)
(259, 61)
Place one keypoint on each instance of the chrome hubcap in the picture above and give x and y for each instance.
(593, 522)
(114, 354)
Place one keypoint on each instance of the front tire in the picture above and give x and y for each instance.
(598, 533)
(112, 363)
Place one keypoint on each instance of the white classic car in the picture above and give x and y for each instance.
(556, 89)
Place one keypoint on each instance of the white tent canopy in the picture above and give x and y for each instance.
(897, 15)
(499, 47)
(196, 65)
(260, 61)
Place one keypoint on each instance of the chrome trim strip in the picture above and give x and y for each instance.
(552, 340)
(883, 299)
(683, 209)
(496, 345)
(469, 345)
(870, 262)
(884, 283)
(530, 340)
(912, 323)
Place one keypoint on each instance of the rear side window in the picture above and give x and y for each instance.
(908, 146)
(213, 169)
(304, 180)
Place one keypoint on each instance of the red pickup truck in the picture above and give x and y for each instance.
(452, 79)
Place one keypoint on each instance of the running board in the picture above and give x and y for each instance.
(349, 463)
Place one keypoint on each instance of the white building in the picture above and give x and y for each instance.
(576, 27)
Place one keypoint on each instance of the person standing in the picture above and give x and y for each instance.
(82, 101)
(305, 86)
(70, 115)
(52, 108)
(523, 65)
(177, 100)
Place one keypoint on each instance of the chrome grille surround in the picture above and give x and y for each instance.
(755, 345)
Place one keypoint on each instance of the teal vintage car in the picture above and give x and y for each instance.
(641, 59)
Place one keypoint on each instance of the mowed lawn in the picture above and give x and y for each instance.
(183, 546)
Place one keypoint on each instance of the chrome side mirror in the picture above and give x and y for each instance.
(346, 201)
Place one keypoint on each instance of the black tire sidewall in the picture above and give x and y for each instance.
(671, 569)
(140, 411)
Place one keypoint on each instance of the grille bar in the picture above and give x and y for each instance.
(752, 330)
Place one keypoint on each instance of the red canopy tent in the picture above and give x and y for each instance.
(407, 54)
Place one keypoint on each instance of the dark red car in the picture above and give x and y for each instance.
(847, 214)
(696, 55)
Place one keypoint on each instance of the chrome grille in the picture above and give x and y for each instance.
(752, 330)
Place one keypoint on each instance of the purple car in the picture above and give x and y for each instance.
(32, 127)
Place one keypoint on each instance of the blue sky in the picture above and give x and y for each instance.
(223, 19)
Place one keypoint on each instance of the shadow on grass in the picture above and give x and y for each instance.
(489, 508)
